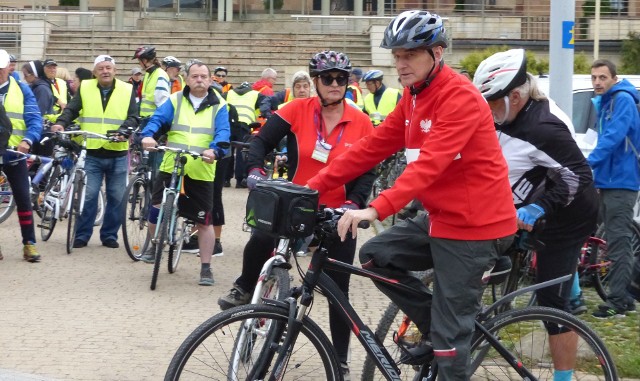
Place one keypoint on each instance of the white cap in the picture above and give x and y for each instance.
(4, 59)
(103, 58)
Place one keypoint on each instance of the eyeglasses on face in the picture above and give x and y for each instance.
(327, 79)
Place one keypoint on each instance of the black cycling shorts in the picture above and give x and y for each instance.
(195, 204)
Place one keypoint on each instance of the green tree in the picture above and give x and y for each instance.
(631, 54)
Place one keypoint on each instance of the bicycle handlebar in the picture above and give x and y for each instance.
(30, 156)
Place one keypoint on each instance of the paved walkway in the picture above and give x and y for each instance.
(91, 315)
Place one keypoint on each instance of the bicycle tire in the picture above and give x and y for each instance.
(522, 332)
(74, 212)
(163, 234)
(7, 202)
(48, 221)
(393, 316)
(100, 210)
(175, 250)
(134, 217)
(204, 351)
(44, 185)
(598, 255)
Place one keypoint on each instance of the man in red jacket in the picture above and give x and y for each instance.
(456, 169)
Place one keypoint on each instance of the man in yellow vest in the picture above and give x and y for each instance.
(197, 120)
(58, 86)
(250, 104)
(354, 92)
(381, 99)
(102, 104)
(22, 111)
(172, 66)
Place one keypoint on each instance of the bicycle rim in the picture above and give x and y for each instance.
(7, 202)
(134, 219)
(162, 235)
(48, 221)
(241, 343)
(100, 210)
(175, 251)
(74, 213)
(523, 333)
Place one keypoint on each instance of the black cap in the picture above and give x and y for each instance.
(49, 61)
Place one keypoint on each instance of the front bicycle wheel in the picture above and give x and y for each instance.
(212, 350)
(7, 203)
(396, 331)
(49, 200)
(76, 205)
(162, 236)
(135, 217)
(600, 262)
(523, 334)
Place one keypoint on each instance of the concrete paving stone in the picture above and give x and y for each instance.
(90, 315)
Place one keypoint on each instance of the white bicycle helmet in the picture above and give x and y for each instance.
(502, 72)
(171, 61)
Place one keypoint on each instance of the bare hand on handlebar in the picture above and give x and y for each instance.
(149, 144)
(351, 218)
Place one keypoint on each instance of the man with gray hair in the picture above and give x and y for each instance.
(106, 103)
(265, 85)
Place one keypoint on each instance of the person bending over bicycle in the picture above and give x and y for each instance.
(456, 169)
(26, 125)
(103, 104)
(318, 130)
(550, 179)
(194, 119)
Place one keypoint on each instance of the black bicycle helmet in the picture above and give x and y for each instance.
(329, 60)
(146, 52)
(412, 29)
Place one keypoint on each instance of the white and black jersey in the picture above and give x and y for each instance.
(547, 167)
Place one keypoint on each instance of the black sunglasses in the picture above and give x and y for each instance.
(327, 79)
(220, 75)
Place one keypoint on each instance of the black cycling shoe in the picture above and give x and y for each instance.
(418, 355)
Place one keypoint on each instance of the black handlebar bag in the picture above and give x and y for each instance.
(282, 209)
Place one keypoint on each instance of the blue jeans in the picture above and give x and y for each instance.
(114, 172)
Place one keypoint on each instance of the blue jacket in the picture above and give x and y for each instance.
(615, 165)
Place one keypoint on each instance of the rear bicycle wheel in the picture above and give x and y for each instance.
(183, 234)
(162, 236)
(100, 210)
(135, 217)
(600, 262)
(522, 332)
(49, 200)
(7, 203)
(211, 351)
(394, 329)
(79, 183)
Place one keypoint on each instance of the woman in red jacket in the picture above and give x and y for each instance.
(456, 169)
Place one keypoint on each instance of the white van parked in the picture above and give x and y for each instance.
(584, 114)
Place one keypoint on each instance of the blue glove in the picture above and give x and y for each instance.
(255, 175)
(349, 205)
(530, 214)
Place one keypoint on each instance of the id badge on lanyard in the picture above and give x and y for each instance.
(321, 151)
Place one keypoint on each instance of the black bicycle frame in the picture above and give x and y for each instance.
(315, 277)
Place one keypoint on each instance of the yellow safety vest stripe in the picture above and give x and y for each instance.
(245, 104)
(96, 119)
(14, 106)
(150, 81)
(192, 132)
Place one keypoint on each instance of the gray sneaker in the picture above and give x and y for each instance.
(149, 255)
(206, 278)
(236, 297)
(217, 249)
